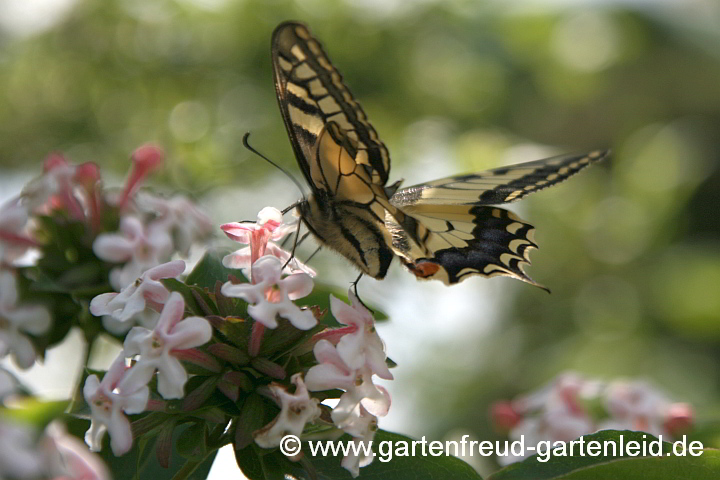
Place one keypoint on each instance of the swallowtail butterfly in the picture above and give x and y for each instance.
(447, 229)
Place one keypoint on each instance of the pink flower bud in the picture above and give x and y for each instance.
(53, 161)
(87, 173)
(679, 419)
(145, 159)
(504, 417)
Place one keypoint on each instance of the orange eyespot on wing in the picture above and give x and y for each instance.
(423, 269)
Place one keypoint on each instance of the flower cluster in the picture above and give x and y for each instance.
(241, 345)
(125, 389)
(347, 357)
(152, 228)
(269, 353)
(81, 237)
(571, 406)
(347, 360)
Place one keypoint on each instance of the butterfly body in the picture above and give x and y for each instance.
(447, 229)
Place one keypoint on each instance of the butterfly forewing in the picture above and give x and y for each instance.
(497, 186)
(311, 94)
(347, 212)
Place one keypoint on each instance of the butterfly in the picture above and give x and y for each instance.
(448, 229)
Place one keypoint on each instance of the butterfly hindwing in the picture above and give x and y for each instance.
(497, 186)
(463, 241)
(311, 94)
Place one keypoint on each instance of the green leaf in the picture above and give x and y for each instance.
(253, 416)
(35, 412)
(186, 291)
(193, 443)
(417, 467)
(210, 270)
(615, 465)
(706, 466)
(250, 463)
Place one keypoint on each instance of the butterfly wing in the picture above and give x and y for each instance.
(347, 211)
(497, 186)
(462, 234)
(311, 94)
(465, 240)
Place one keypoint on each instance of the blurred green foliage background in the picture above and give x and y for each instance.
(630, 248)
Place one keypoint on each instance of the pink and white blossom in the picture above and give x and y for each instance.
(179, 216)
(360, 345)
(138, 302)
(57, 182)
(360, 391)
(14, 241)
(155, 348)
(296, 410)
(635, 406)
(272, 294)
(76, 462)
(138, 247)
(357, 411)
(108, 399)
(363, 431)
(558, 412)
(20, 455)
(242, 260)
(18, 320)
(8, 384)
(258, 236)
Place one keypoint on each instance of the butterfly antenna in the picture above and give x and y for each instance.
(247, 145)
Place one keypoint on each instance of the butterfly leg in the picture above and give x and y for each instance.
(354, 285)
(312, 254)
(295, 244)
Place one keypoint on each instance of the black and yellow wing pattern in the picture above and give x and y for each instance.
(447, 229)
(311, 94)
(465, 235)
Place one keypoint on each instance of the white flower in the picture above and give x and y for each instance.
(635, 406)
(363, 431)
(57, 178)
(360, 392)
(271, 294)
(363, 346)
(108, 399)
(155, 348)
(296, 409)
(14, 320)
(141, 300)
(20, 456)
(8, 384)
(76, 461)
(257, 235)
(269, 226)
(138, 247)
(13, 241)
(242, 259)
(558, 412)
(179, 216)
